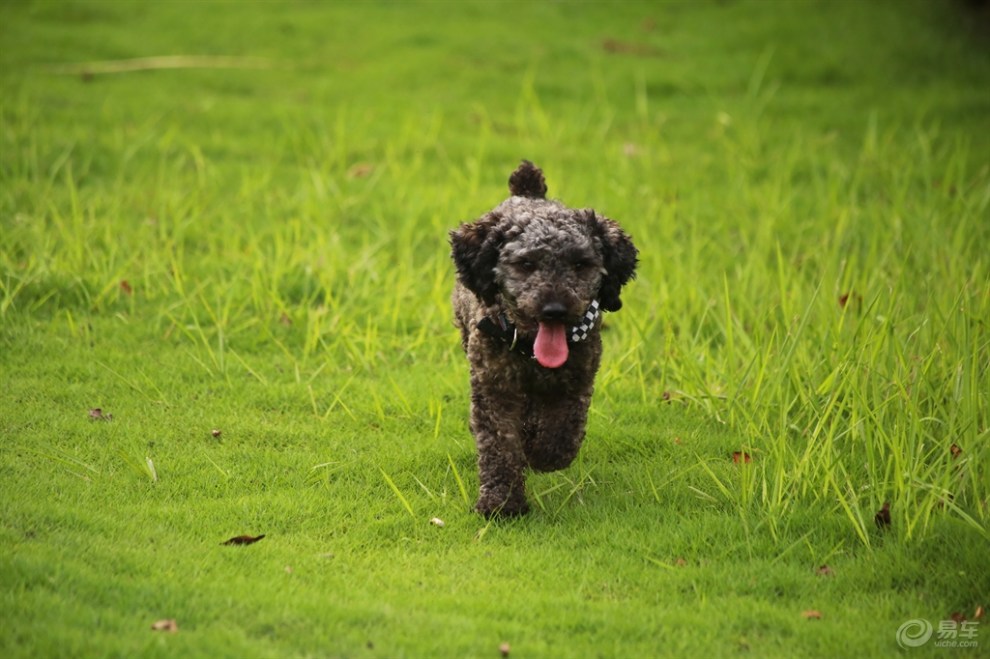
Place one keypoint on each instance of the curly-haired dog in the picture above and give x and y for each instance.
(533, 277)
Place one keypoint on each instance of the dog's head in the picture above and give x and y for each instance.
(546, 262)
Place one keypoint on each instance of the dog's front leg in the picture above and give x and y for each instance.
(501, 461)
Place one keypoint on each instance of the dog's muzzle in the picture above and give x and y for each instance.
(501, 328)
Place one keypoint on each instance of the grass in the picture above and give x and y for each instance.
(260, 251)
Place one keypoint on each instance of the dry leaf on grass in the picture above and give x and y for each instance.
(824, 571)
(882, 518)
(851, 298)
(630, 150)
(96, 414)
(617, 47)
(244, 539)
(360, 170)
(811, 614)
(168, 625)
(741, 456)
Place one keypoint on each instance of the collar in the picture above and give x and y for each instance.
(500, 328)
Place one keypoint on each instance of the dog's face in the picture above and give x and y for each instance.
(549, 269)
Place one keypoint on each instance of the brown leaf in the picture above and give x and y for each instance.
(978, 613)
(243, 540)
(741, 456)
(882, 518)
(955, 450)
(125, 287)
(168, 625)
(957, 617)
(824, 571)
(360, 170)
(851, 298)
(811, 614)
(617, 47)
(96, 414)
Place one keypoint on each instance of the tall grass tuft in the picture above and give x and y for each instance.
(848, 342)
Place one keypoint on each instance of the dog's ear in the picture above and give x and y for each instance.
(475, 247)
(620, 258)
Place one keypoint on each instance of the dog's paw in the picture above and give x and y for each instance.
(498, 508)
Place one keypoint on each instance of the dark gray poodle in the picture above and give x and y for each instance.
(533, 277)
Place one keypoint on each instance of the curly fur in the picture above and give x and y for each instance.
(535, 263)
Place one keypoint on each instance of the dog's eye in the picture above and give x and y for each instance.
(525, 266)
(583, 264)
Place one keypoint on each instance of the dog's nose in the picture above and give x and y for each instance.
(553, 311)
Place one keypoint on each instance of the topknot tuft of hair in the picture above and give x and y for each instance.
(528, 181)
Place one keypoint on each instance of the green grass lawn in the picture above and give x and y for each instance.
(242, 261)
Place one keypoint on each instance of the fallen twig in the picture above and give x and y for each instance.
(163, 62)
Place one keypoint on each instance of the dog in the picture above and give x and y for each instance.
(533, 279)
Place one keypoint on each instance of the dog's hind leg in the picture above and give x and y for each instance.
(554, 431)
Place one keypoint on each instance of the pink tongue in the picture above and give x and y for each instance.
(550, 347)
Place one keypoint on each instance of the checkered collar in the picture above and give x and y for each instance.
(501, 328)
